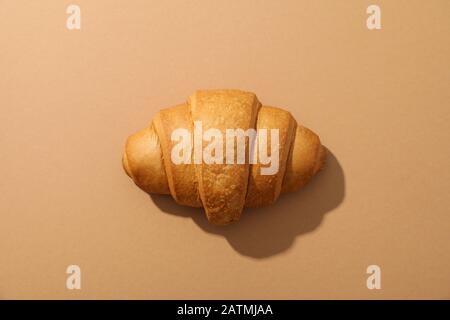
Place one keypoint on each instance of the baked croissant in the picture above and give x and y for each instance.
(226, 185)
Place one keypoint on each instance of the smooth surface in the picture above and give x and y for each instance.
(378, 99)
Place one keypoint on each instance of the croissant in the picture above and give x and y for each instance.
(223, 183)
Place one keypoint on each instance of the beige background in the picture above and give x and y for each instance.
(379, 100)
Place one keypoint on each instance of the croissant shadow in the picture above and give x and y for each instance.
(264, 232)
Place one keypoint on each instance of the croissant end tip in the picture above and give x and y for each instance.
(321, 159)
(126, 165)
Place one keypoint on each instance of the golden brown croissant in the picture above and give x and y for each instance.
(162, 159)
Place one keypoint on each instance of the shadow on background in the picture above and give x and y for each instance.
(263, 232)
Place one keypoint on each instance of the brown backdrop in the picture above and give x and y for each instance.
(379, 100)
